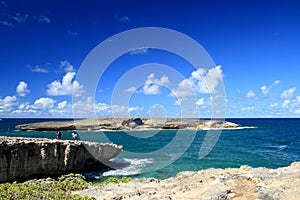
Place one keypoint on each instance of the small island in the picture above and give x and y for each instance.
(134, 123)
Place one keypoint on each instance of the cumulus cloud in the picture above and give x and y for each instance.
(286, 103)
(203, 81)
(39, 69)
(62, 105)
(200, 102)
(120, 110)
(66, 87)
(288, 94)
(22, 89)
(43, 103)
(131, 89)
(152, 85)
(266, 89)
(250, 94)
(88, 108)
(42, 107)
(7, 104)
(66, 66)
(273, 105)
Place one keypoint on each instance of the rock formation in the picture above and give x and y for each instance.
(24, 158)
(128, 124)
(211, 184)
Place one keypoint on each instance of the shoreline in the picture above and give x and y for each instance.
(231, 183)
(210, 184)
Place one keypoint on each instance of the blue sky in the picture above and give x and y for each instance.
(254, 44)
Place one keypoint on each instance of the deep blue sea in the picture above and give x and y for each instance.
(268, 143)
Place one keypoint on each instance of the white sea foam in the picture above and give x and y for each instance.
(134, 167)
(278, 148)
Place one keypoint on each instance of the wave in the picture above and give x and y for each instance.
(134, 167)
(278, 148)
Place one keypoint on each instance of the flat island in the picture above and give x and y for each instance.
(134, 123)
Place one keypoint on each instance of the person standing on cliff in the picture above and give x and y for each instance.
(58, 135)
(75, 136)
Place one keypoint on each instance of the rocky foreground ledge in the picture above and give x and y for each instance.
(128, 124)
(25, 158)
(211, 184)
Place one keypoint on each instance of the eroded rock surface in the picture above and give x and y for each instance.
(128, 124)
(24, 158)
(211, 184)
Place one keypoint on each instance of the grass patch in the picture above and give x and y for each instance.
(59, 189)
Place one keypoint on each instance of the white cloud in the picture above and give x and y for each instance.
(248, 109)
(121, 18)
(6, 23)
(274, 105)
(7, 104)
(43, 103)
(88, 108)
(119, 110)
(286, 103)
(19, 17)
(266, 89)
(39, 69)
(62, 105)
(178, 102)
(42, 19)
(66, 87)
(250, 94)
(152, 85)
(276, 82)
(139, 50)
(184, 89)
(296, 101)
(131, 90)
(288, 94)
(203, 81)
(66, 66)
(22, 89)
(125, 19)
(200, 102)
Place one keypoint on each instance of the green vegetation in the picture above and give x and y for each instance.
(53, 189)
(115, 180)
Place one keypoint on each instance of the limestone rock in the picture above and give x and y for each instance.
(24, 158)
(211, 184)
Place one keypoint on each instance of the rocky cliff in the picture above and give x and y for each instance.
(128, 124)
(24, 158)
(211, 184)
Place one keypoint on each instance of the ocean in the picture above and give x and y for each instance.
(161, 154)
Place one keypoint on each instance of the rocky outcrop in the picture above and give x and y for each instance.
(211, 184)
(24, 158)
(128, 124)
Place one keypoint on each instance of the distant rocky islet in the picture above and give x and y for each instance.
(128, 124)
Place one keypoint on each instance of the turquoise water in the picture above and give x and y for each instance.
(259, 143)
